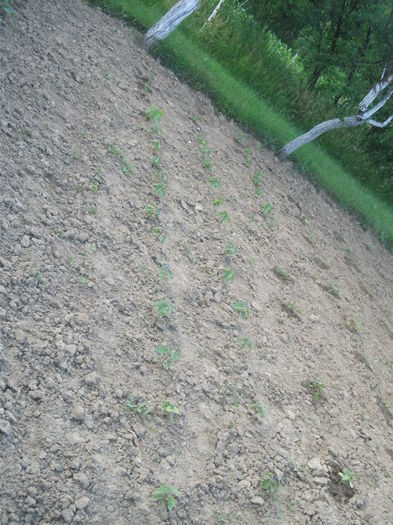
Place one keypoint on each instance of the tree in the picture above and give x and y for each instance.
(364, 115)
(170, 21)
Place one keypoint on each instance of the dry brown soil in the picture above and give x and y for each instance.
(80, 261)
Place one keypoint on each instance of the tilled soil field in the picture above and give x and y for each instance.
(177, 307)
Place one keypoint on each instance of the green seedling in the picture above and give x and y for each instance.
(99, 170)
(106, 74)
(292, 309)
(282, 274)
(231, 249)
(126, 168)
(247, 152)
(165, 271)
(240, 138)
(347, 477)
(334, 290)
(202, 141)
(95, 187)
(146, 87)
(224, 216)
(338, 235)
(258, 192)
(115, 151)
(270, 484)
(156, 162)
(163, 308)
(90, 247)
(355, 325)
(257, 178)
(160, 189)
(214, 182)
(159, 177)
(316, 388)
(152, 211)
(227, 274)
(218, 202)
(196, 119)
(154, 114)
(309, 238)
(244, 342)
(259, 409)
(169, 355)
(242, 308)
(266, 209)
(165, 495)
(36, 274)
(350, 257)
(160, 234)
(304, 219)
(138, 407)
(156, 145)
(170, 408)
(207, 164)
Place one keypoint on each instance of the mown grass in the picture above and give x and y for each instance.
(236, 99)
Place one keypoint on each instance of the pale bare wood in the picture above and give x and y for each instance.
(170, 21)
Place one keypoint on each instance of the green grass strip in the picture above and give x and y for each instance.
(239, 101)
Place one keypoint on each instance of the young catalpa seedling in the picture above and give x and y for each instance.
(257, 178)
(152, 211)
(231, 249)
(126, 168)
(156, 145)
(160, 189)
(156, 162)
(169, 355)
(138, 407)
(163, 308)
(170, 408)
(159, 233)
(215, 182)
(218, 202)
(259, 409)
(165, 495)
(227, 274)
(316, 388)
(154, 114)
(271, 484)
(347, 477)
(244, 342)
(266, 209)
(282, 274)
(242, 308)
(207, 164)
(115, 151)
(165, 271)
(293, 310)
(224, 216)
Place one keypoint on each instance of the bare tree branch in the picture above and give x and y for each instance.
(170, 21)
(377, 124)
(362, 117)
(378, 106)
(215, 11)
(374, 92)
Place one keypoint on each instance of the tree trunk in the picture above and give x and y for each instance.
(363, 116)
(318, 130)
(170, 21)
